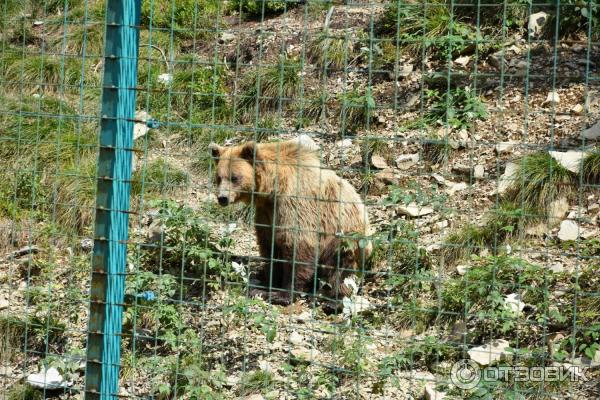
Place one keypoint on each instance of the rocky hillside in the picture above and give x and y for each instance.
(471, 131)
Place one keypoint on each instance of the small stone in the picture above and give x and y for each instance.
(561, 117)
(457, 187)
(557, 268)
(405, 70)
(463, 61)
(47, 379)
(165, 78)
(414, 210)
(479, 171)
(86, 244)
(344, 143)
(489, 353)
(507, 179)
(304, 355)
(354, 305)
(577, 109)
(556, 210)
(571, 160)
(461, 169)
(140, 128)
(439, 226)
(513, 301)
(569, 230)
(227, 37)
(256, 396)
(38, 23)
(378, 162)
(296, 338)
(552, 98)
(4, 304)
(407, 161)
(505, 147)
(432, 394)
(462, 269)
(536, 23)
(592, 132)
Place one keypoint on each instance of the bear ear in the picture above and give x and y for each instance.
(249, 152)
(215, 150)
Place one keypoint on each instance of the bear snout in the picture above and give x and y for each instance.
(223, 200)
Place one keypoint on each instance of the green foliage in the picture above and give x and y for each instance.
(23, 391)
(457, 107)
(501, 222)
(428, 26)
(158, 177)
(258, 8)
(270, 87)
(357, 107)
(258, 381)
(185, 18)
(539, 180)
(422, 353)
(591, 167)
(480, 294)
(185, 242)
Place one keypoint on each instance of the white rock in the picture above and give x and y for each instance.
(557, 268)
(407, 161)
(405, 70)
(536, 23)
(344, 143)
(378, 162)
(513, 301)
(552, 97)
(351, 283)
(140, 128)
(479, 172)
(505, 147)
(414, 210)
(432, 394)
(489, 353)
(48, 379)
(4, 304)
(571, 160)
(296, 338)
(307, 142)
(439, 226)
(508, 178)
(256, 396)
(302, 353)
(227, 37)
(165, 78)
(457, 187)
(569, 230)
(464, 60)
(354, 305)
(462, 269)
(593, 132)
(556, 210)
(577, 109)
(264, 365)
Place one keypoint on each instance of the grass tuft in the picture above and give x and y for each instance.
(270, 86)
(591, 167)
(539, 180)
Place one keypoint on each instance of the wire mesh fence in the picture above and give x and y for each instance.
(328, 199)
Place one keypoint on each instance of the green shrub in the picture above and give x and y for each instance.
(185, 18)
(256, 8)
(457, 107)
(333, 52)
(591, 167)
(357, 107)
(157, 177)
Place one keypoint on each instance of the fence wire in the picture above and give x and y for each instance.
(468, 129)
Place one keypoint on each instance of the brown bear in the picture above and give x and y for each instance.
(307, 219)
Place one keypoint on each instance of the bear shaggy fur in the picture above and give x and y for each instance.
(307, 218)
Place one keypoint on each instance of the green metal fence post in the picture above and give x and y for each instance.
(112, 203)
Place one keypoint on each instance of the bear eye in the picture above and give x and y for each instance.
(235, 179)
(218, 180)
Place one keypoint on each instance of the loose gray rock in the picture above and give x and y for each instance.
(571, 160)
(49, 379)
(414, 210)
(479, 172)
(489, 353)
(592, 132)
(432, 394)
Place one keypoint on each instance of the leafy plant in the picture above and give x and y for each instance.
(356, 109)
(591, 167)
(185, 18)
(457, 107)
(258, 8)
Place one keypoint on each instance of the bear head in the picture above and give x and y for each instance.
(235, 177)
